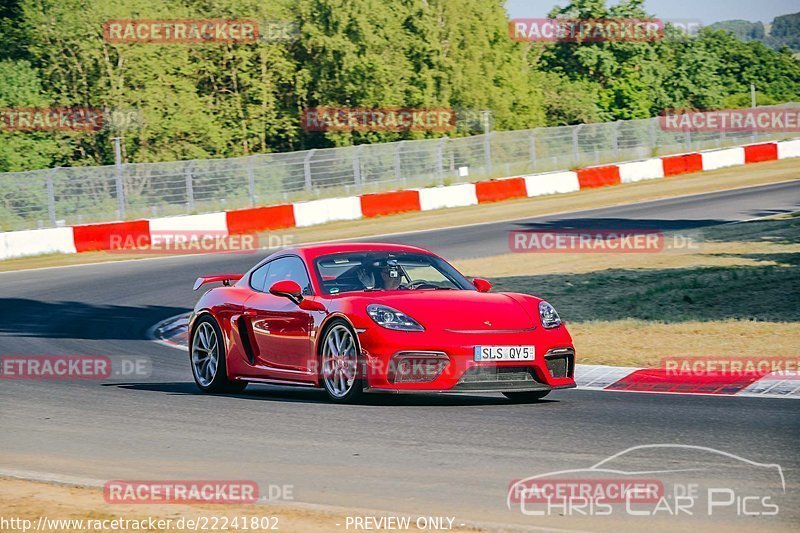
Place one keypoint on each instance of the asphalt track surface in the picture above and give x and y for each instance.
(442, 455)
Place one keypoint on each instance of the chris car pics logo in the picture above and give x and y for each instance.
(667, 480)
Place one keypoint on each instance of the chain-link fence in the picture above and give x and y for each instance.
(66, 196)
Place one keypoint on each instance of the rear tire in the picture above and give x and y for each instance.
(340, 371)
(526, 397)
(207, 358)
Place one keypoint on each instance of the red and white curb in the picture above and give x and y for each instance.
(658, 380)
(173, 332)
(108, 236)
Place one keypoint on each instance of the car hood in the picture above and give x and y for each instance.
(460, 310)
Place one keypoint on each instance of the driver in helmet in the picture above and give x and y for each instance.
(390, 275)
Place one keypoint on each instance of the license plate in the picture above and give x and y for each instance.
(504, 353)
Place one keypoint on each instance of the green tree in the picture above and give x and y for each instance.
(742, 29)
(628, 74)
(776, 74)
(20, 87)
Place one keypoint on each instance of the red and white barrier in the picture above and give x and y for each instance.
(213, 223)
(499, 190)
(327, 210)
(592, 177)
(89, 237)
(112, 235)
(36, 242)
(448, 196)
(648, 169)
(787, 149)
(389, 203)
(260, 219)
(552, 183)
(756, 153)
(727, 157)
(682, 164)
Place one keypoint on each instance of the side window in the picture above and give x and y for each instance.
(258, 278)
(288, 268)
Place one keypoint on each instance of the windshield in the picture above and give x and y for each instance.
(368, 271)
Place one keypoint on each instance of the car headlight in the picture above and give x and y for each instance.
(548, 315)
(389, 318)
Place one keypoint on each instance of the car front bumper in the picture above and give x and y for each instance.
(552, 367)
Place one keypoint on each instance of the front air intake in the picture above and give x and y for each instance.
(560, 362)
(417, 367)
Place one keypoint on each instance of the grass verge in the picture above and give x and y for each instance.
(735, 296)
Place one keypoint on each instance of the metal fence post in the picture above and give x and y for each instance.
(575, 148)
(615, 137)
(532, 146)
(51, 197)
(307, 168)
(487, 141)
(440, 159)
(398, 168)
(189, 187)
(653, 134)
(357, 166)
(251, 180)
(487, 152)
(118, 179)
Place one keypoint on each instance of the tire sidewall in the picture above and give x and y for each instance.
(220, 381)
(357, 390)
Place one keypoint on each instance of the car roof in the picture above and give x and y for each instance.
(313, 251)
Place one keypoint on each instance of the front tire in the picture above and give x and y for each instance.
(207, 358)
(340, 369)
(526, 397)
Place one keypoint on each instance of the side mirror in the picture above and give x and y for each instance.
(288, 289)
(482, 285)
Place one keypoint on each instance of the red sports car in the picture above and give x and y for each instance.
(358, 318)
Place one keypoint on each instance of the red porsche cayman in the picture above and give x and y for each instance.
(359, 318)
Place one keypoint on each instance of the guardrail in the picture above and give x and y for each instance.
(141, 234)
(78, 195)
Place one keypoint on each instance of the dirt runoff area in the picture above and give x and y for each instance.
(49, 507)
